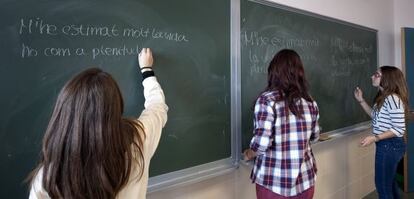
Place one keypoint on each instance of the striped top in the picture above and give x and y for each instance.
(285, 163)
(390, 117)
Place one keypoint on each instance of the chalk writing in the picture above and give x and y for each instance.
(258, 62)
(261, 50)
(82, 30)
(255, 39)
(350, 46)
(28, 51)
(95, 52)
(39, 27)
(111, 51)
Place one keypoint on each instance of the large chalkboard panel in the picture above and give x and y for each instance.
(337, 57)
(46, 42)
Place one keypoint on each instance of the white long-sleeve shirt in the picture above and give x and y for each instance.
(153, 118)
(389, 117)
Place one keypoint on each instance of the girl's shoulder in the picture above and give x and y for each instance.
(393, 101)
(37, 190)
(311, 104)
(270, 96)
(393, 97)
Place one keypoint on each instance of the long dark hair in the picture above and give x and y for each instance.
(89, 148)
(392, 82)
(286, 75)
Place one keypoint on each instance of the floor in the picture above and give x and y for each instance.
(374, 195)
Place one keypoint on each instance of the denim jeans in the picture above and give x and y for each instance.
(387, 156)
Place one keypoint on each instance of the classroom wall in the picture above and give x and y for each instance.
(345, 170)
(404, 17)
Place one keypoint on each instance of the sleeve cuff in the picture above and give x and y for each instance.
(398, 134)
(254, 147)
(147, 74)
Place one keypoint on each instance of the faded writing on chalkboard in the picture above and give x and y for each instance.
(254, 39)
(345, 53)
(262, 48)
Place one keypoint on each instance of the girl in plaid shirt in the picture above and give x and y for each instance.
(285, 122)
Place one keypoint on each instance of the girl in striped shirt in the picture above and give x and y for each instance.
(388, 122)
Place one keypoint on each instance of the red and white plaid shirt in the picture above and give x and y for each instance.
(284, 162)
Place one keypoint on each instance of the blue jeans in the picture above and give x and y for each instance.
(387, 156)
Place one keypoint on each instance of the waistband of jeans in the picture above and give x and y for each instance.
(391, 140)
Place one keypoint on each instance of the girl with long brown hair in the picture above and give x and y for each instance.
(388, 121)
(89, 149)
(285, 122)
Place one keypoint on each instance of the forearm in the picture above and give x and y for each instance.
(153, 92)
(366, 107)
(155, 106)
(263, 125)
(385, 135)
(260, 145)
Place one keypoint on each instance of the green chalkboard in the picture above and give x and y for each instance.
(337, 57)
(44, 43)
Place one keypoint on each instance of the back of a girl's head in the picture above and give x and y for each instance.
(287, 76)
(86, 107)
(286, 73)
(86, 147)
(392, 78)
(393, 82)
(91, 95)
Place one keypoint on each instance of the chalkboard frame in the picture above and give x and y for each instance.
(355, 128)
(220, 167)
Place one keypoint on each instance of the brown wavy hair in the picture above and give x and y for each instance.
(392, 82)
(88, 149)
(286, 75)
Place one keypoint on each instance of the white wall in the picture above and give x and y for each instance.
(403, 17)
(346, 171)
(376, 14)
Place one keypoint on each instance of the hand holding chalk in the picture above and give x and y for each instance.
(358, 95)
